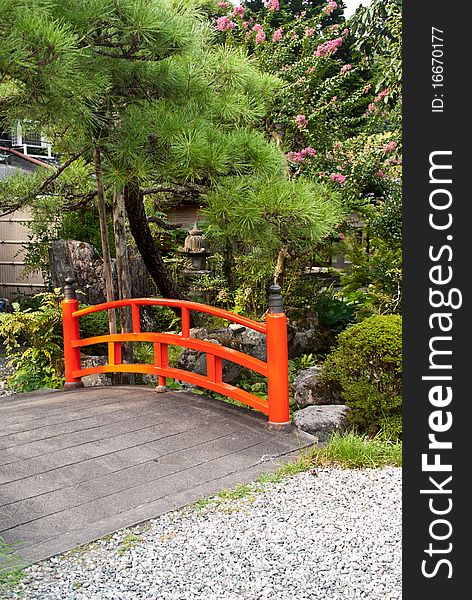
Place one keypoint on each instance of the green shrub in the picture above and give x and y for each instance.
(366, 371)
(165, 319)
(33, 341)
(94, 324)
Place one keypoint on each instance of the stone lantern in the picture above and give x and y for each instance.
(196, 250)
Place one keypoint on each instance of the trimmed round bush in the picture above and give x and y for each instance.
(365, 371)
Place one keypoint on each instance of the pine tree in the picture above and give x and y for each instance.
(137, 87)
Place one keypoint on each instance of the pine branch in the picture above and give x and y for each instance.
(191, 189)
(58, 171)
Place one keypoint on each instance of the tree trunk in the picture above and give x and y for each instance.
(102, 212)
(229, 265)
(142, 235)
(122, 268)
(280, 267)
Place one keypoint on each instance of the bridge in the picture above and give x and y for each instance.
(83, 462)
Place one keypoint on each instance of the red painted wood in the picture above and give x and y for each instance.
(275, 369)
(136, 318)
(211, 310)
(222, 388)
(169, 338)
(185, 322)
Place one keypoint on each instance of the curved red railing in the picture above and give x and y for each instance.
(275, 369)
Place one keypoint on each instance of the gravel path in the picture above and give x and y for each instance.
(329, 534)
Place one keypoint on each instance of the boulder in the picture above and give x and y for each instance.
(98, 378)
(308, 388)
(236, 337)
(322, 421)
(302, 334)
(82, 262)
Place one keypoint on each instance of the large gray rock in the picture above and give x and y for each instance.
(236, 337)
(97, 379)
(82, 262)
(302, 335)
(306, 335)
(308, 388)
(322, 421)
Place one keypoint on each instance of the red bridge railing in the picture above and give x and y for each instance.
(275, 368)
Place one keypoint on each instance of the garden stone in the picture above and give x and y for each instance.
(98, 378)
(322, 421)
(306, 335)
(236, 337)
(83, 263)
(308, 388)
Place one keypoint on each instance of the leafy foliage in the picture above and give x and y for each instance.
(308, 46)
(33, 342)
(378, 28)
(271, 216)
(366, 370)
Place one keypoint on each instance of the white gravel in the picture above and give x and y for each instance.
(328, 534)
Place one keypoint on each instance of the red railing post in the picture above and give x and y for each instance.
(277, 362)
(71, 333)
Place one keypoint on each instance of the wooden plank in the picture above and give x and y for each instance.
(169, 440)
(74, 476)
(183, 470)
(70, 440)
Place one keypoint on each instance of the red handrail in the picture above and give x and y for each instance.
(183, 304)
(275, 369)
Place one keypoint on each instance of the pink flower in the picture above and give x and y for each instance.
(334, 27)
(382, 95)
(371, 108)
(273, 5)
(338, 178)
(310, 70)
(330, 7)
(246, 25)
(224, 24)
(380, 173)
(299, 157)
(341, 236)
(345, 32)
(334, 99)
(309, 151)
(309, 31)
(260, 35)
(367, 88)
(294, 157)
(390, 147)
(238, 11)
(329, 47)
(278, 35)
(301, 121)
(345, 69)
(223, 4)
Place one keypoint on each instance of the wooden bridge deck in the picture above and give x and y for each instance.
(77, 465)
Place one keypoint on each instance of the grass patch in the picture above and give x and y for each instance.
(304, 463)
(348, 451)
(129, 541)
(353, 451)
(11, 568)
